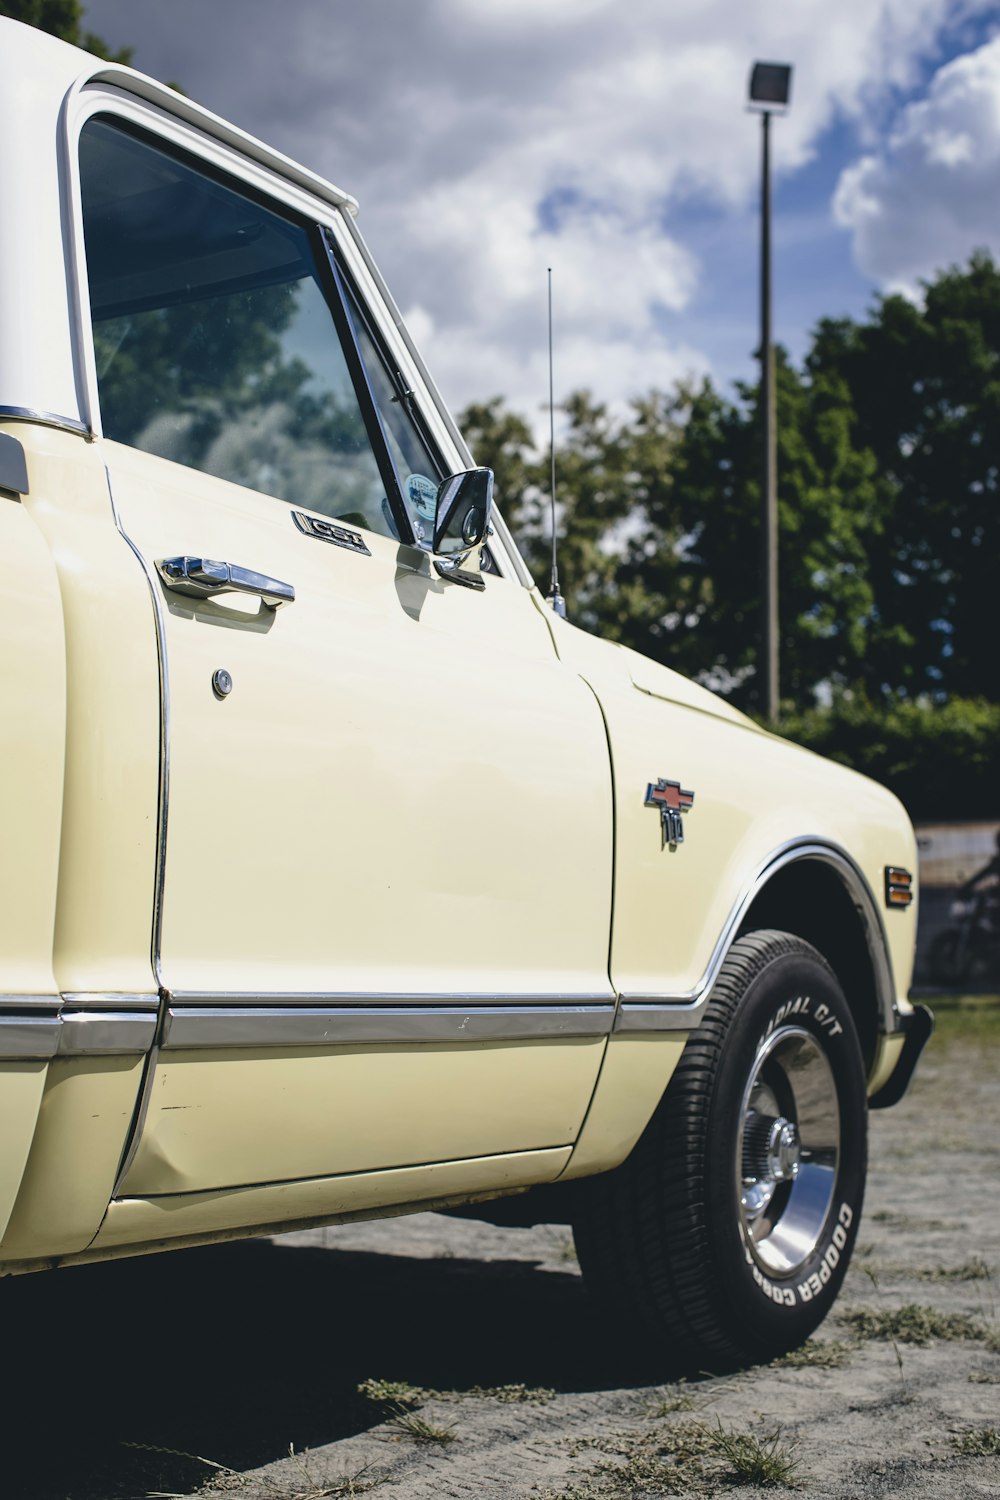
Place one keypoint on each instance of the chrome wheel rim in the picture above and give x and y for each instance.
(787, 1151)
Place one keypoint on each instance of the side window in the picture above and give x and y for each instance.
(214, 341)
(418, 470)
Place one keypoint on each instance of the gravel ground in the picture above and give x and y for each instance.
(193, 1374)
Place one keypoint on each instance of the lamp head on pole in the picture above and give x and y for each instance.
(770, 86)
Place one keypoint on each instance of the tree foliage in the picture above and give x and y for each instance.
(62, 18)
(889, 529)
(941, 759)
(925, 384)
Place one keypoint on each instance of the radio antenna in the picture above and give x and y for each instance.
(553, 597)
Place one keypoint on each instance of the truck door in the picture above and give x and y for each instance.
(385, 900)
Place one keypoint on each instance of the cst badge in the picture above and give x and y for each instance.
(330, 531)
(672, 800)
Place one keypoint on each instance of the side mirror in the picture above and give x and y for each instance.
(462, 513)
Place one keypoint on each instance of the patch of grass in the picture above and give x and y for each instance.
(913, 1323)
(970, 1270)
(682, 1458)
(977, 1442)
(412, 1425)
(816, 1354)
(766, 1461)
(968, 1018)
(393, 1392)
(905, 1221)
(663, 1461)
(401, 1394)
(675, 1398)
(508, 1395)
(223, 1476)
(992, 1340)
(890, 1335)
(985, 1377)
(344, 1487)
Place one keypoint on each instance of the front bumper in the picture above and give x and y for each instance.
(916, 1029)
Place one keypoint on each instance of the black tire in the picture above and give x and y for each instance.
(675, 1242)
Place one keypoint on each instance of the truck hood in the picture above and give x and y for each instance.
(607, 663)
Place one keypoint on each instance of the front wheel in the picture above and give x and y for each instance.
(727, 1232)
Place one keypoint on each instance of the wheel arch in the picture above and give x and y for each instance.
(816, 891)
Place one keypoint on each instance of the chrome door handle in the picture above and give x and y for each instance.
(205, 578)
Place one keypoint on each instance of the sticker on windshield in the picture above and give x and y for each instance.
(422, 495)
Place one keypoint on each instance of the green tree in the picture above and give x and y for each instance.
(941, 760)
(659, 529)
(889, 522)
(829, 510)
(502, 441)
(62, 18)
(925, 388)
(618, 547)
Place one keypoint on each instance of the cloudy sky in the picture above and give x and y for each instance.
(489, 139)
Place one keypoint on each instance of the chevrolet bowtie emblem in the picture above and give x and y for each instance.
(672, 800)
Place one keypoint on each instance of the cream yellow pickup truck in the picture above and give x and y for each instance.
(340, 876)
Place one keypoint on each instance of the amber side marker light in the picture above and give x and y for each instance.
(898, 886)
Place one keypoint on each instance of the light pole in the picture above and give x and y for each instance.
(770, 86)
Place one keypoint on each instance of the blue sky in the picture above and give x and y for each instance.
(817, 273)
(488, 139)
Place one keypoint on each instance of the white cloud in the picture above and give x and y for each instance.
(488, 139)
(932, 193)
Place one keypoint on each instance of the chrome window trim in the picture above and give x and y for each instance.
(112, 93)
(44, 419)
(213, 134)
(682, 1012)
(131, 96)
(291, 1025)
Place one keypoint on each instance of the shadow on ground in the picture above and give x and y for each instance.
(234, 1352)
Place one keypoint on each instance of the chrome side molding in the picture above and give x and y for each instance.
(25, 1038)
(79, 1025)
(196, 1026)
(668, 1013)
(106, 1033)
(41, 1027)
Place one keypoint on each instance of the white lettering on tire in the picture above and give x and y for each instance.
(785, 1296)
(815, 1283)
(802, 1005)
